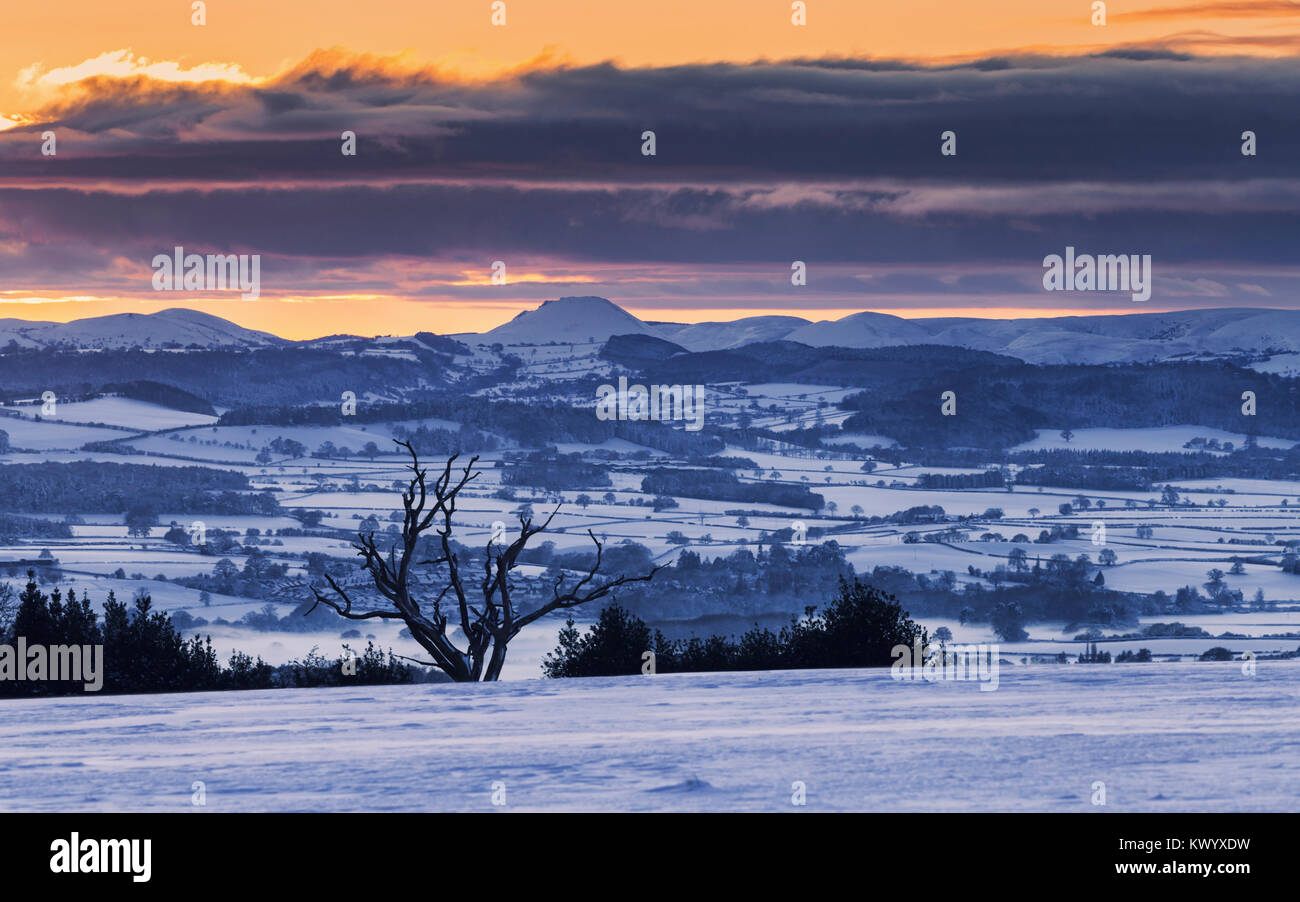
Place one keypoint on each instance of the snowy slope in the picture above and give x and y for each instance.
(1125, 337)
(569, 319)
(717, 336)
(123, 330)
(862, 330)
(1162, 737)
(1271, 329)
(1137, 337)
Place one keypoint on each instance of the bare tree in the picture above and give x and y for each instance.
(488, 625)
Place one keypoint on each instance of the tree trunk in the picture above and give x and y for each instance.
(496, 662)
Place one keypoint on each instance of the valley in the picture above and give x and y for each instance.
(1092, 530)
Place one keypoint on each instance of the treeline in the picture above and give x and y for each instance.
(259, 576)
(13, 528)
(285, 375)
(441, 344)
(1116, 479)
(163, 394)
(721, 485)
(532, 423)
(432, 441)
(777, 579)
(554, 472)
(921, 513)
(726, 463)
(98, 487)
(859, 628)
(143, 652)
(1003, 405)
(1143, 471)
(638, 351)
(890, 369)
(1063, 589)
(986, 479)
(677, 442)
(1109, 470)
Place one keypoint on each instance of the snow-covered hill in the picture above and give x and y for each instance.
(1123, 338)
(166, 328)
(569, 319)
(862, 330)
(734, 334)
(1119, 338)
(1162, 737)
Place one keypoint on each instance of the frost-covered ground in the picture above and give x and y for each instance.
(115, 411)
(1162, 737)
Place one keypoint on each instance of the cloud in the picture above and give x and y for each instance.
(1205, 288)
(832, 161)
(41, 84)
(1239, 9)
(1126, 118)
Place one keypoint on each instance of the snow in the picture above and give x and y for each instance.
(1281, 364)
(1069, 339)
(1162, 737)
(566, 320)
(862, 440)
(127, 412)
(733, 334)
(176, 325)
(50, 435)
(862, 330)
(242, 443)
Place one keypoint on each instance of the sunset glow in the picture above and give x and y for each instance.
(518, 143)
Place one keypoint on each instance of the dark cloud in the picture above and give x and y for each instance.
(829, 161)
(625, 225)
(1123, 115)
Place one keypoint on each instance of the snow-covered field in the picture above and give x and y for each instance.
(52, 435)
(127, 412)
(1161, 737)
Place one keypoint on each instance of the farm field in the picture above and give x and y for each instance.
(1156, 547)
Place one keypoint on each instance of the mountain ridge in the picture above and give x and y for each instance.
(1097, 339)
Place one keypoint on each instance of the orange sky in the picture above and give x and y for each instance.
(313, 318)
(44, 44)
(261, 38)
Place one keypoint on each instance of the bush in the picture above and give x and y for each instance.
(1141, 656)
(860, 628)
(144, 652)
(612, 647)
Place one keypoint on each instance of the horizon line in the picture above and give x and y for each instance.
(647, 315)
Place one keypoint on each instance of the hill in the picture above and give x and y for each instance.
(569, 319)
(176, 328)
